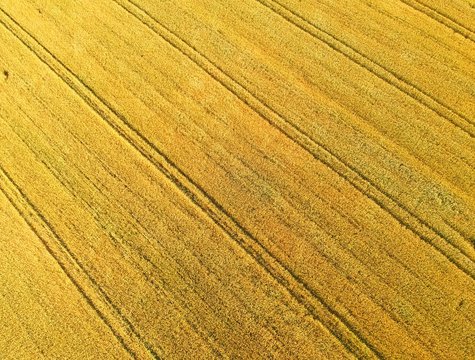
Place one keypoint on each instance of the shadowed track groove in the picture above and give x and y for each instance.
(311, 301)
(434, 237)
(105, 309)
(208, 180)
(443, 19)
(54, 172)
(378, 70)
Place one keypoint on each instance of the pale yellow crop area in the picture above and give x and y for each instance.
(255, 179)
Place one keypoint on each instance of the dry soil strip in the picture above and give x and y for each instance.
(311, 301)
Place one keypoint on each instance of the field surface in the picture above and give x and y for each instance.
(255, 179)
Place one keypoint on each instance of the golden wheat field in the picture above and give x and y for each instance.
(255, 179)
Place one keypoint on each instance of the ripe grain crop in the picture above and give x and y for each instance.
(255, 179)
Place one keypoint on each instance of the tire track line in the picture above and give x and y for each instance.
(443, 19)
(312, 302)
(457, 119)
(94, 295)
(425, 34)
(217, 350)
(56, 174)
(432, 236)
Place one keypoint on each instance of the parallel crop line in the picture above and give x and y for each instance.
(89, 289)
(312, 302)
(457, 119)
(319, 151)
(54, 172)
(443, 19)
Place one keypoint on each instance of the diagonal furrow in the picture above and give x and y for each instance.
(378, 70)
(446, 245)
(311, 301)
(54, 172)
(90, 290)
(443, 19)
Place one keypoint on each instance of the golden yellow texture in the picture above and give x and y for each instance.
(255, 179)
